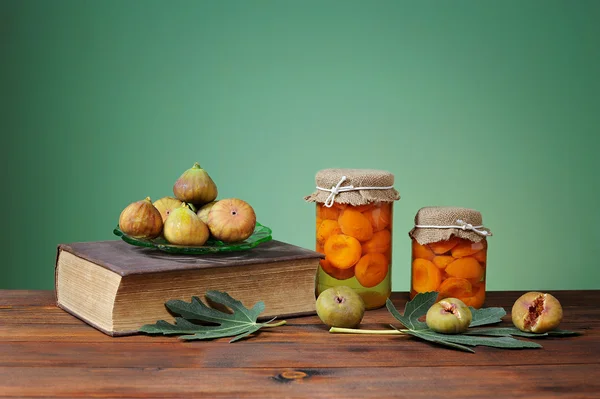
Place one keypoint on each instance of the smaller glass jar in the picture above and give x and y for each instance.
(449, 254)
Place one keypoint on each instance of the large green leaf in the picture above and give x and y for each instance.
(459, 340)
(238, 324)
(414, 309)
(503, 332)
(562, 333)
(485, 316)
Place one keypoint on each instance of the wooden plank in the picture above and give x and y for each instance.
(11, 298)
(577, 298)
(30, 314)
(45, 352)
(300, 333)
(342, 352)
(49, 323)
(24, 307)
(581, 298)
(26, 315)
(54, 315)
(540, 381)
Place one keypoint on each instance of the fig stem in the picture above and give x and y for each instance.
(279, 323)
(362, 331)
(196, 166)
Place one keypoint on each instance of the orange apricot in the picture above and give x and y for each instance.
(320, 248)
(467, 248)
(327, 213)
(454, 287)
(467, 268)
(355, 224)
(380, 216)
(371, 269)
(364, 208)
(479, 280)
(380, 242)
(477, 299)
(339, 274)
(421, 251)
(339, 206)
(342, 251)
(441, 261)
(327, 229)
(441, 247)
(481, 255)
(425, 275)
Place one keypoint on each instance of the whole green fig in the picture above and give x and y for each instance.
(165, 205)
(205, 210)
(195, 186)
(184, 227)
(231, 220)
(141, 219)
(340, 307)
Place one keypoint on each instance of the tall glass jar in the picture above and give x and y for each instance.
(355, 235)
(449, 254)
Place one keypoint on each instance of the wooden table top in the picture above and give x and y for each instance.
(45, 352)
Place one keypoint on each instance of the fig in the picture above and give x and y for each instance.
(231, 220)
(184, 227)
(205, 210)
(536, 312)
(449, 316)
(141, 219)
(165, 205)
(195, 186)
(340, 306)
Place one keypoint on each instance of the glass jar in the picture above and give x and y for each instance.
(357, 244)
(354, 219)
(449, 254)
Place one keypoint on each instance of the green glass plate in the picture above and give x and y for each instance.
(261, 234)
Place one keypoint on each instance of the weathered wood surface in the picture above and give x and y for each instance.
(45, 352)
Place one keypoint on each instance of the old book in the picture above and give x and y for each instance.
(117, 287)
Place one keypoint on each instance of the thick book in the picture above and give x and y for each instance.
(117, 287)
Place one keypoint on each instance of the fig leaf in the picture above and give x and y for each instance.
(483, 316)
(414, 309)
(238, 324)
(497, 337)
(458, 340)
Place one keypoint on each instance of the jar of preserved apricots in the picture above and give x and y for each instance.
(449, 254)
(354, 231)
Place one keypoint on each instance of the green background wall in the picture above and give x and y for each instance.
(482, 104)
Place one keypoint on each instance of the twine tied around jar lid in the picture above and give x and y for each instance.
(353, 186)
(433, 224)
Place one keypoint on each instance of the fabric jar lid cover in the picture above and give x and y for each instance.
(439, 223)
(353, 186)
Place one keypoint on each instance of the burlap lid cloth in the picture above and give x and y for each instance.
(439, 223)
(353, 186)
